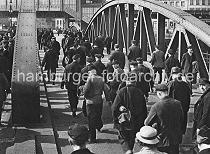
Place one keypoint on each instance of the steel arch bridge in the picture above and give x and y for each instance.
(117, 20)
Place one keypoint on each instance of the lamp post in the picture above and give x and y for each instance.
(10, 12)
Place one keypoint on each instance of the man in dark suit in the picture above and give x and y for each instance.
(118, 55)
(71, 79)
(180, 90)
(170, 62)
(100, 67)
(158, 59)
(167, 117)
(130, 98)
(134, 51)
(202, 107)
(186, 62)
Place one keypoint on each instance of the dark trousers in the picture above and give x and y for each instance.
(51, 73)
(171, 149)
(160, 71)
(127, 139)
(94, 113)
(73, 99)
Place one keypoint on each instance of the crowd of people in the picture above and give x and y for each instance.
(7, 42)
(159, 130)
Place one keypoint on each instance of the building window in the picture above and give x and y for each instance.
(183, 3)
(172, 3)
(208, 2)
(191, 2)
(203, 2)
(197, 2)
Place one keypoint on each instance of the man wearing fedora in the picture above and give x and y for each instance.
(170, 62)
(202, 107)
(78, 139)
(147, 137)
(180, 90)
(167, 117)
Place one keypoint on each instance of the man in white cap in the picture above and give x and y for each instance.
(147, 137)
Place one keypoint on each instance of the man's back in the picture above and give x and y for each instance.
(158, 59)
(135, 52)
(168, 115)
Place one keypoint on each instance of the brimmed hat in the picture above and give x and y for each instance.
(78, 132)
(203, 81)
(147, 135)
(175, 70)
(75, 57)
(161, 87)
(89, 59)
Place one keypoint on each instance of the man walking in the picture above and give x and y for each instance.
(167, 117)
(180, 90)
(158, 59)
(71, 79)
(134, 51)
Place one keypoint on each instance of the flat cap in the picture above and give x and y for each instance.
(134, 63)
(175, 70)
(161, 87)
(75, 57)
(89, 59)
(78, 132)
(203, 81)
(98, 55)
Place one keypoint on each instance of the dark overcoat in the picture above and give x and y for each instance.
(100, 67)
(50, 60)
(134, 52)
(202, 112)
(167, 116)
(134, 100)
(171, 62)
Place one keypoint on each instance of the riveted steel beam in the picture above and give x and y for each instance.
(149, 29)
(130, 31)
(123, 25)
(203, 71)
(161, 31)
(25, 84)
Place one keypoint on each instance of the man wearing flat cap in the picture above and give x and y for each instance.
(71, 79)
(78, 138)
(180, 90)
(118, 55)
(99, 65)
(170, 62)
(167, 117)
(202, 107)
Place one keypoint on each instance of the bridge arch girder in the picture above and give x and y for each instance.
(195, 31)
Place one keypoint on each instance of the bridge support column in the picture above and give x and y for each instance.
(130, 26)
(161, 31)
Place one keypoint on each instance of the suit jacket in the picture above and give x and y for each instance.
(171, 62)
(158, 58)
(186, 63)
(167, 116)
(100, 67)
(133, 99)
(134, 52)
(202, 112)
(71, 77)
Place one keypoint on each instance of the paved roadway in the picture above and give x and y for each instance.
(108, 141)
